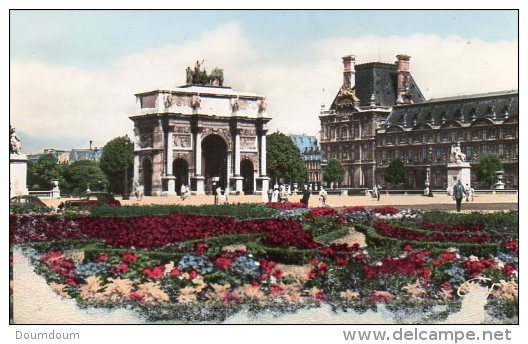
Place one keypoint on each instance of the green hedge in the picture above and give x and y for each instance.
(333, 235)
(236, 211)
(377, 240)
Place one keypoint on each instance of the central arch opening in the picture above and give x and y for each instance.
(214, 161)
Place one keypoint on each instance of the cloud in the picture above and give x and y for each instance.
(50, 100)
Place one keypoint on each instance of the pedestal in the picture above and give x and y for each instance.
(458, 171)
(171, 186)
(17, 175)
(263, 182)
(197, 186)
(237, 182)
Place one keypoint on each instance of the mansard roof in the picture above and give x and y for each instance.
(459, 109)
(380, 79)
(307, 145)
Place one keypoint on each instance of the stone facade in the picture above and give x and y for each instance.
(385, 116)
(200, 134)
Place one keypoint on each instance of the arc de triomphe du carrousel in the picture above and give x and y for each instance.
(200, 134)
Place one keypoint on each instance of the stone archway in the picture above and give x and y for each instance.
(180, 169)
(247, 172)
(214, 161)
(147, 177)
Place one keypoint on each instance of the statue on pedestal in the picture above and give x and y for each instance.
(456, 154)
(14, 142)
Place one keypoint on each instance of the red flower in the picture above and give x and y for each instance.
(285, 205)
(425, 273)
(511, 245)
(359, 257)
(380, 297)
(174, 272)
(193, 274)
(277, 273)
(446, 286)
(136, 296)
(340, 220)
(223, 261)
(312, 274)
(313, 261)
(266, 266)
(447, 256)
(154, 273)
(319, 296)
(102, 257)
(354, 209)
(122, 268)
(436, 262)
(487, 263)
(328, 251)
(407, 248)
(321, 212)
(71, 282)
(275, 289)
(255, 283)
(199, 248)
(385, 210)
(341, 261)
(129, 257)
(507, 270)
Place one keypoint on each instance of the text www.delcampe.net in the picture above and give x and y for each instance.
(415, 334)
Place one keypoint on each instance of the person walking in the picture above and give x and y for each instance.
(183, 192)
(467, 191)
(458, 194)
(322, 197)
(275, 195)
(218, 194)
(306, 197)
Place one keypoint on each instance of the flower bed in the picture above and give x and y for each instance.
(452, 228)
(206, 268)
(385, 229)
(141, 231)
(285, 205)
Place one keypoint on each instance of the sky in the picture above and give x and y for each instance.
(73, 74)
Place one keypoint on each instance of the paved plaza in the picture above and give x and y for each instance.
(441, 202)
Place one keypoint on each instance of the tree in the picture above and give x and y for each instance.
(395, 172)
(284, 160)
(117, 160)
(485, 169)
(85, 174)
(42, 171)
(333, 172)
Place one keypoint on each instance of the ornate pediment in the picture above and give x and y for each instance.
(346, 98)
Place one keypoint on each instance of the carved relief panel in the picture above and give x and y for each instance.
(182, 137)
(248, 139)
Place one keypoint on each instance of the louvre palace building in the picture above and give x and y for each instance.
(384, 115)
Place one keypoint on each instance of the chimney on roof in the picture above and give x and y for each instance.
(404, 80)
(349, 63)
